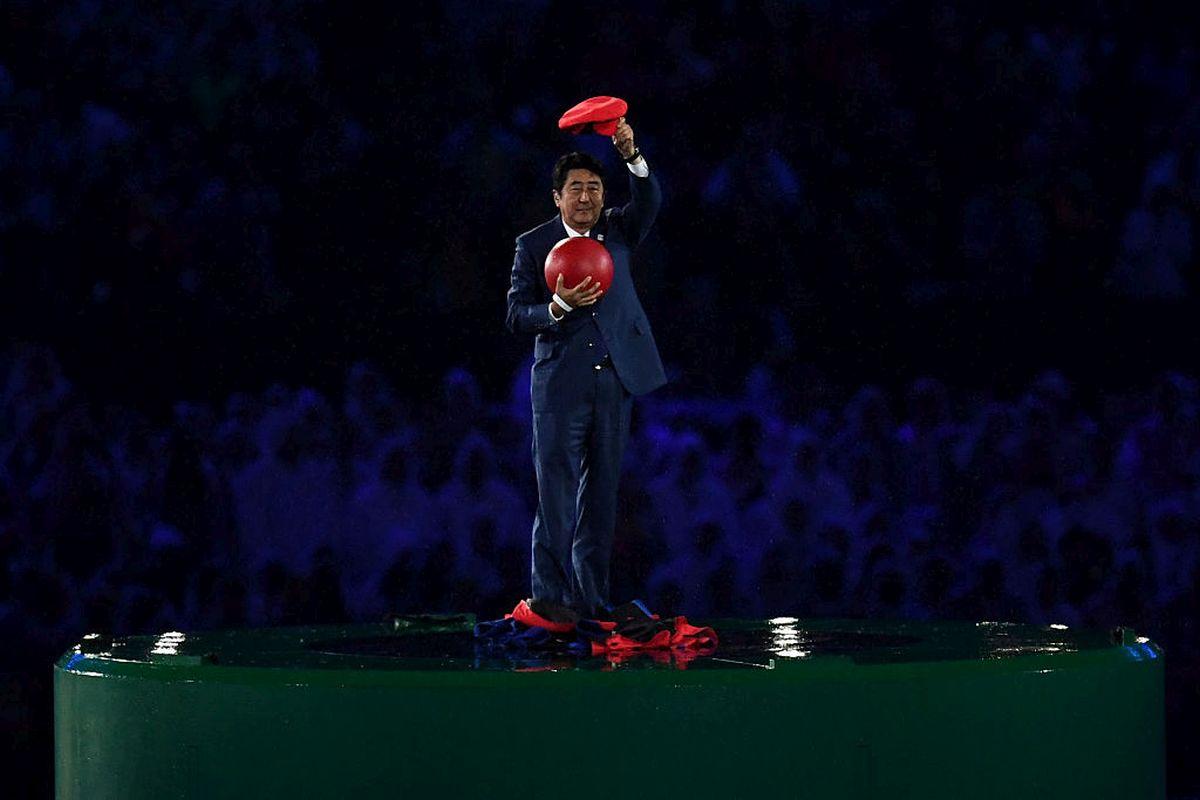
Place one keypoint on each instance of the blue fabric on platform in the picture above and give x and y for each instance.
(492, 628)
(579, 647)
(508, 633)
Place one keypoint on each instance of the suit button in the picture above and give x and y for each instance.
(597, 366)
(593, 313)
(590, 344)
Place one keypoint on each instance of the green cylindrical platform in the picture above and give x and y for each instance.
(785, 707)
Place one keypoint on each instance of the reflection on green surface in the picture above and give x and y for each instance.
(445, 642)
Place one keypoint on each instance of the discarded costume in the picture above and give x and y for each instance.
(623, 631)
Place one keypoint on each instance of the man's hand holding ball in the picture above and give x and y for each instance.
(581, 295)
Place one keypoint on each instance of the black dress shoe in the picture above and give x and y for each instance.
(553, 611)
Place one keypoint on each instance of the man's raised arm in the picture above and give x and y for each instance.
(645, 195)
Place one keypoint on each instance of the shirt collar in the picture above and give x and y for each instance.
(571, 232)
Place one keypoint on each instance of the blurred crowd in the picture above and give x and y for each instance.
(218, 173)
(290, 506)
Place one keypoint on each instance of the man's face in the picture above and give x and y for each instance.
(581, 199)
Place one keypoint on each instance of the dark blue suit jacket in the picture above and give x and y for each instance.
(562, 358)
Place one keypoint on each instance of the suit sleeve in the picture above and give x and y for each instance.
(527, 313)
(635, 217)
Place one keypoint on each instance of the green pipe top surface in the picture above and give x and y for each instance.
(435, 649)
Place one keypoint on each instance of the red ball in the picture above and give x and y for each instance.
(576, 258)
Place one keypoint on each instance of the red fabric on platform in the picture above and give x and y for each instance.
(688, 635)
(682, 636)
(526, 616)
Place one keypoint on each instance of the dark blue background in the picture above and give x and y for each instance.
(924, 280)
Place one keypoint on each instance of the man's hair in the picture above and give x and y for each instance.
(575, 161)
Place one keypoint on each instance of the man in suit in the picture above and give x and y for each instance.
(593, 353)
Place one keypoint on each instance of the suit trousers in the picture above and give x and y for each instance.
(577, 456)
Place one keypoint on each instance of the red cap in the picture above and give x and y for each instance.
(599, 114)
